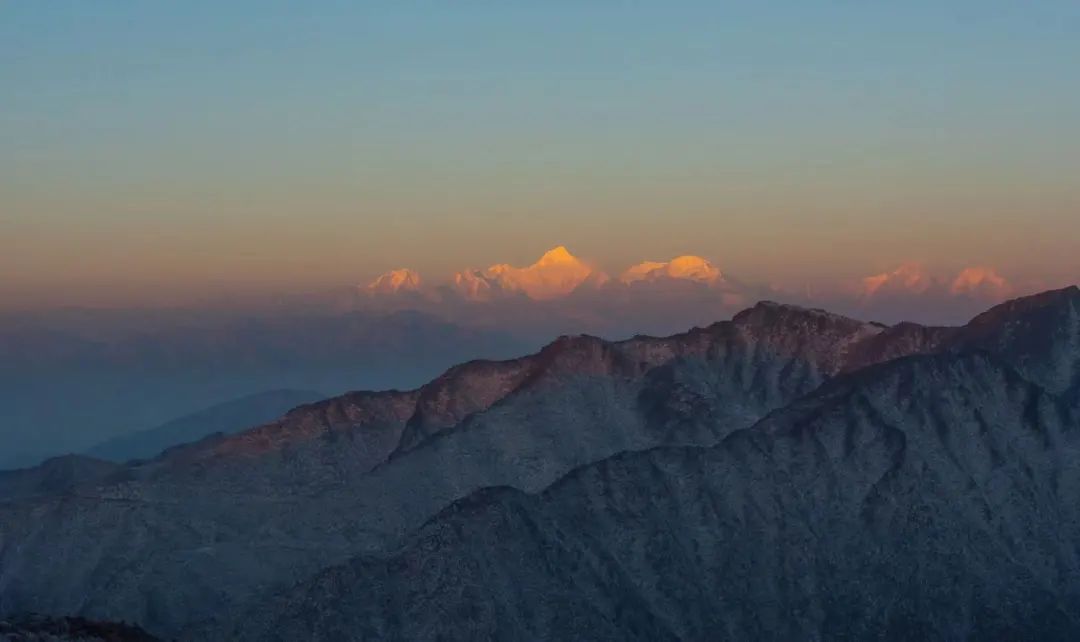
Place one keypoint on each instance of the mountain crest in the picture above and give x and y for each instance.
(555, 274)
(771, 313)
(395, 281)
(687, 267)
(982, 282)
(1060, 298)
(557, 255)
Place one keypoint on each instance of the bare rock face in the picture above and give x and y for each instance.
(187, 542)
(929, 498)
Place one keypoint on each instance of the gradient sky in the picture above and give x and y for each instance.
(154, 152)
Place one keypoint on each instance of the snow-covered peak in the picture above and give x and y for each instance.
(687, 267)
(908, 278)
(555, 274)
(912, 278)
(557, 256)
(981, 282)
(472, 285)
(694, 268)
(394, 281)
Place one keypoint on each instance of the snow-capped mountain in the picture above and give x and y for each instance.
(691, 268)
(913, 279)
(911, 291)
(907, 278)
(561, 291)
(981, 282)
(555, 274)
(394, 282)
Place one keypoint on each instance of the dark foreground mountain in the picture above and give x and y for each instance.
(209, 532)
(37, 628)
(929, 498)
(56, 476)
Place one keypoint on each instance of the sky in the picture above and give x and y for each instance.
(157, 153)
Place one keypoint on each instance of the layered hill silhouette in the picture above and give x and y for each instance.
(227, 417)
(126, 370)
(72, 380)
(788, 473)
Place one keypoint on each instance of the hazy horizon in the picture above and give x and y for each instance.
(169, 154)
(240, 296)
(205, 200)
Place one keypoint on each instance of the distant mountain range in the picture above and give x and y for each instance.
(562, 293)
(788, 474)
(126, 370)
(224, 418)
(559, 276)
(70, 380)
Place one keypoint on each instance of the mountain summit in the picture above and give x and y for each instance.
(981, 281)
(686, 267)
(558, 255)
(395, 281)
(555, 274)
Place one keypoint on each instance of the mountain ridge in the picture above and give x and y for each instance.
(335, 484)
(437, 409)
(669, 589)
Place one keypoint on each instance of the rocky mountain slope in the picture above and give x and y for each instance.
(56, 476)
(1039, 334)
(183, 543)
(929, 498)
(36, 628)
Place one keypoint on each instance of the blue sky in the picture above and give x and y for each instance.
(176, 147)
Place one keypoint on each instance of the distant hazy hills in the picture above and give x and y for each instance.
(225, 418)
(788, 474)
(72, 379)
